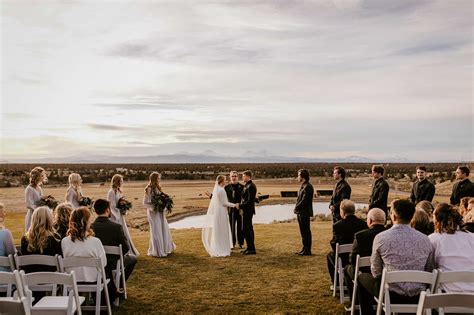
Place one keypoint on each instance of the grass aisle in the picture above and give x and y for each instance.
(274, 280)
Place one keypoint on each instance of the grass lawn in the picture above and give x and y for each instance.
(275, 280)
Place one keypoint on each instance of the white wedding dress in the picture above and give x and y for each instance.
(216, 235)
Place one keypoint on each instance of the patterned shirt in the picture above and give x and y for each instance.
(402, 248)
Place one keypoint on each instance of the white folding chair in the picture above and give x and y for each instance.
(457, 302)
(45, 260)
(119, 272)
(451, 277)
(360, 263)
(15, 307)
(68, 304)
(13, 285)
(338, 284)
(413, 276)
(97, 287)
(7, 262)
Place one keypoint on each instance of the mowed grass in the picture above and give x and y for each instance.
(275, 280)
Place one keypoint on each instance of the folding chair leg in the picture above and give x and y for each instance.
(341, 285)
(98, 297)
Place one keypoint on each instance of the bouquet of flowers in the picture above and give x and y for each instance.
(124, 205)
(48, 201)
(161, 202)
(85, 202)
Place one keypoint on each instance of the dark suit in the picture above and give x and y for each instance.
(112, 234)
(343, 233)
(304, 211)
(234, 195)
(422, 190)
(341, 191)
(248, 207)
(461, 189)
(379, 197)
(362, 246)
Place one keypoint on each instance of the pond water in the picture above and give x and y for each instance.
(264, 215)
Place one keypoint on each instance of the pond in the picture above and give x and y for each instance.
(264, 215)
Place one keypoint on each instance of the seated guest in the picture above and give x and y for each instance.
(343, 232)
(6, 239)
(40, 239)
(427, 206)
(421, 222)
(453, 248)
(112, 234)
(61, 219)
(362, 245)
(399, 248)
(80, 242)
(469, 217)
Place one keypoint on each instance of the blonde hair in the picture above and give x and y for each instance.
(35, 176)
(220, 179)
(420, 220)
(426, 206)
(74, 182)
(154, 181)
(41, 229)
(117, 179)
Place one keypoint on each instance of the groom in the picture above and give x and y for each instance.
(248, 208)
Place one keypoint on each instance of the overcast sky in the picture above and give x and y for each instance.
(334, 78)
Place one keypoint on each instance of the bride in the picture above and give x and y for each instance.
(216, 236)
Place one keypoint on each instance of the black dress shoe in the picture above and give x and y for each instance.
(301, 251)
(250, 252)
(305, 254)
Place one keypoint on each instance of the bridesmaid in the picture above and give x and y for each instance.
(74, 191)
(161, 242)
(33, 193)
(113, 196)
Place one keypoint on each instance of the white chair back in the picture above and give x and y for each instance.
(101, 283)
(69, 303)
(13, 284)
(15, 307)
(451, 277)
(463, 302)
(119, 272)
(360, 263)
(383, 302)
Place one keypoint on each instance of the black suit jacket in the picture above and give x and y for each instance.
(344, 230)
(234, 194)
(248, 198)
(304, 203)
(424, 190)
(110, 234)
(379, 197)
(461, 189)
(363, 242)
(341, 191)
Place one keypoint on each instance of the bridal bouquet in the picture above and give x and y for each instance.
(48, 201)
(161, 202)
(85, 202)
(124, 205)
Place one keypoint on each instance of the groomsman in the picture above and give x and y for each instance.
(248, 208)
(379, 196)
(341, 191)
(422, 189)
(234, 195)
(464, 187)
(304, 211)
